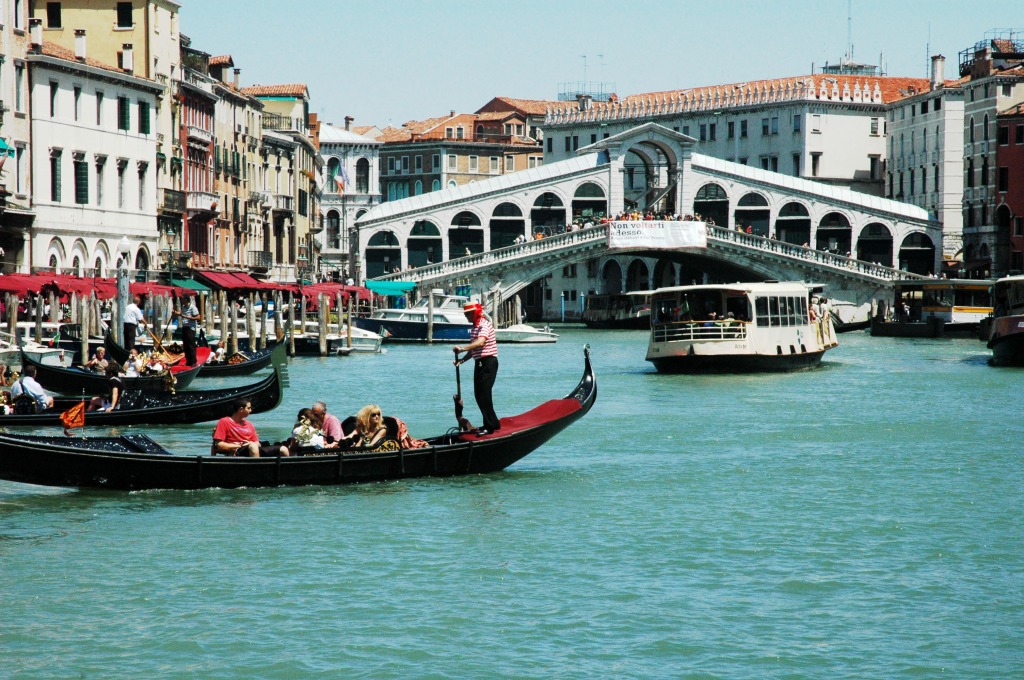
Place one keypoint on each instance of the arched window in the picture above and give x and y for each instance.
(984, 130)
(970, 129)
(362, 176)
(435, 185)
(417, 188)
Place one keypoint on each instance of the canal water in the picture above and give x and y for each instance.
(858, 520)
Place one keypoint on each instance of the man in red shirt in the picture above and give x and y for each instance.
(236, 436)
(483, 348)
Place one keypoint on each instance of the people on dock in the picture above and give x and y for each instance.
(27, 384)
(483, 348)
(98, 362)
(236, 436)
(133, 319)
(116, 387)
(189, 317)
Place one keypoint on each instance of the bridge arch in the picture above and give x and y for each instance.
(752, 210)
(875, 243)
(638, 276)
(834, 233)
(466, 235)
(589, 200)
(712, 203)
(424, 245)
(917, 254)
(548, 213)
(793, 224)
(611, 277)
(507, 223)
(383, 254)
(662, 166)
(664, 274)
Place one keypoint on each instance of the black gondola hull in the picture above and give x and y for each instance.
(81, 380)
(135, 462)
(254, 361)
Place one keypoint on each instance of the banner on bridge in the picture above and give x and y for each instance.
(656, 234)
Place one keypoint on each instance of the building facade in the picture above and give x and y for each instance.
(351, 187)
(1009, 216)
(995, 83)
(925, 155)
(94, 162)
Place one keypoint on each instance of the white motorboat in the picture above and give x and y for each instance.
(736, 328)
(524, 333)
(10, 353)
(446, 321)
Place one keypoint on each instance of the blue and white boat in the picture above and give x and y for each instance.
(411, 324)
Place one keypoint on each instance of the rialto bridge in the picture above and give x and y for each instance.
(852, 243)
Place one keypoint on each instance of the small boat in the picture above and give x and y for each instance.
(737, 328)
(308, 343)
(413, 324)
(145, 407)
(524, 333)
(51, 355)
(623, 311)
(934, 308)
(1006, 337)
(75, 380)
(249, 362)
(136, 461)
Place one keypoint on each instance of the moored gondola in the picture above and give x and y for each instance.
(132, 462)
(75, 380)
(145, 407)
(252, 362)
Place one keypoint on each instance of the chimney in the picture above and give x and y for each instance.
(585, 101)
(452, 114)
(80, 44)
(348, 122)
(127, 59)
(236, 73)
(35, 31)
(938, 71)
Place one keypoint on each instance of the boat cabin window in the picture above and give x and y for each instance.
(778, 310)
(701, 305)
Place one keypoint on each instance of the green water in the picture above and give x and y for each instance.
(860, 520)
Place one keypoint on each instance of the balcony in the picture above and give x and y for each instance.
(172, 201)
(201, 201)
(260, 260)
(199, 134)
(284, 202)
(272, 121)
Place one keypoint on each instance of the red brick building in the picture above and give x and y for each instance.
(1009, 214)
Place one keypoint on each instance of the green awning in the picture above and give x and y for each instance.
(6, 150)
(190, 283)
(390, 287)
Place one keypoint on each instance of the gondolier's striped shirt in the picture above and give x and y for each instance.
(486, 330)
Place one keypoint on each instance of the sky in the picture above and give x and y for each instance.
(385, 62)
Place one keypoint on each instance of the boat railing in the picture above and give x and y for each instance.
(700, 331)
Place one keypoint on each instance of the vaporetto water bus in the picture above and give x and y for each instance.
(738, 328)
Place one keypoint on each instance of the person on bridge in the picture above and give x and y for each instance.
(483, 348)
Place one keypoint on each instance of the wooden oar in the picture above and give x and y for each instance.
(463, 422)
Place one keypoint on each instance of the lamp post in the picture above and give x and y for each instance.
(124, 248)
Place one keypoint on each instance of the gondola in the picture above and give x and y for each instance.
(136, 461)
(254, 361)
(76, 380)
(145, 407)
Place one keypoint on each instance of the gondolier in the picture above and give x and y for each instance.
(189, 316)
(483, 348)
(133, 317)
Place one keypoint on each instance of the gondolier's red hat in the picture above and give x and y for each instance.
(472, 308)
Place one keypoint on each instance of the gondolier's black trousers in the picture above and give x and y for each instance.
(484, 374)
(129, 335)
(188, 339)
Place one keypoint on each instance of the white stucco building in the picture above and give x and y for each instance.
(94, 143)
(351, 187)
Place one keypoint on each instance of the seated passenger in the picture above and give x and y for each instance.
(27, 384)
(109, 402)
(134, 366)
(154, 365)
(307, 432)
(712, 319)
(236, 436)
(99, 361)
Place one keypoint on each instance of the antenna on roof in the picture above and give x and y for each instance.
(584, 67)
(849, 30)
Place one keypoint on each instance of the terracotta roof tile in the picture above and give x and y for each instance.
(362, 129)
(535, 107)
(54, 50)
(222, 60)
(293, 90)
(390, 134)
(892, 88)
(495, 115)
(1014, 111)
